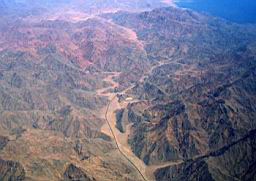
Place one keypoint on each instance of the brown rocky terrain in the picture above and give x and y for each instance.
(49, 123)
(88, 92)
(193, 98)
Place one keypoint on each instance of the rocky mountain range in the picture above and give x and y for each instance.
(124, 90)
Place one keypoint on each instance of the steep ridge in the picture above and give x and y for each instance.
(50, 72)
(199, 96)
(172, 33)
(184, 82)
(200, 168)
(83, 43)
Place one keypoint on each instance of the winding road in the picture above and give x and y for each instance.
(117, 143)
(121, 139)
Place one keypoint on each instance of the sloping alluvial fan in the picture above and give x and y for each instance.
(124, 90)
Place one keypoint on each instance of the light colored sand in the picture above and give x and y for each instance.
(122, 138)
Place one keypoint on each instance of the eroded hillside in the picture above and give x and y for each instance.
(163, 94)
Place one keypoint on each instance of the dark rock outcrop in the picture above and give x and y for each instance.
(235, 161)
(3, 142)
(16, 81)
(74, 173)
(188, 171)
(11, 171)
(119, 124)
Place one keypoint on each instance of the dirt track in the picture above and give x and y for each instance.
(121, 139)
